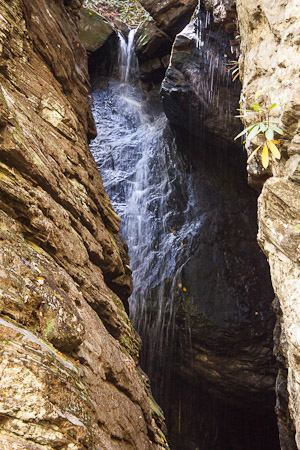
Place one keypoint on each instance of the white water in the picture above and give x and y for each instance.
(150, 190)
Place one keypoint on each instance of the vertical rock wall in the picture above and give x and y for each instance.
(69, 354)
(270, 65)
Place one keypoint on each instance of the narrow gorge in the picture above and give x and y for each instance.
(149, 273)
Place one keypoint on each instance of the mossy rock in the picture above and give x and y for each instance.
(94, 30)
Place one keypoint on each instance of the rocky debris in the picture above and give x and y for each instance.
(197, 91)
(170, 16)
(270, 65)
(69, 353)
(94, 30)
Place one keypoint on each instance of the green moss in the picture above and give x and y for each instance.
(94, 30)
(49, 327)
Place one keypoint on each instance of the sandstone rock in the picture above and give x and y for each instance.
(270, 64)
(270, 41)
(170, 16)
(94, 30)
(69, 352)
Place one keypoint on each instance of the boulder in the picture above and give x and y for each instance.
(224, 12)
(170, 16)
(151, 42)
(94, 30)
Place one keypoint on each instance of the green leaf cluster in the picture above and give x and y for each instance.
(263, 127)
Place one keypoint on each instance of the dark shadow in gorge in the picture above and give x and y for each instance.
(198, 420)
(215, 377)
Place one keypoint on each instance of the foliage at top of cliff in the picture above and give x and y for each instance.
(130, 12)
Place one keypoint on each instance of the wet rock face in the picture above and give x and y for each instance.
(69, 353)
(151, 42)
(224, 321)
(270, 64)
(227, 303)
(170, 16)
(197, 92)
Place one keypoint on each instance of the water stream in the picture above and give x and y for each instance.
(150, 189)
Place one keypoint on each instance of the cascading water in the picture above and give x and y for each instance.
(150, 190)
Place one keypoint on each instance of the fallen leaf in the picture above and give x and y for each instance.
(40, 280)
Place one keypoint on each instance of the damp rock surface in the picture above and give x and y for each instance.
(69, 353)
(170, 16)
(197, 92)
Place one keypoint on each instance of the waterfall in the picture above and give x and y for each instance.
(179, 220)
(127, 62)
(150, 189)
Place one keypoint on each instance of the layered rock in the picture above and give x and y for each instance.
(270, 65)
(69, 352)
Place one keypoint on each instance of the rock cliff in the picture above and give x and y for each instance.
(270, 65)
(69, 354)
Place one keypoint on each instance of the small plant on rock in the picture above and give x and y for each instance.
(263, 128)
